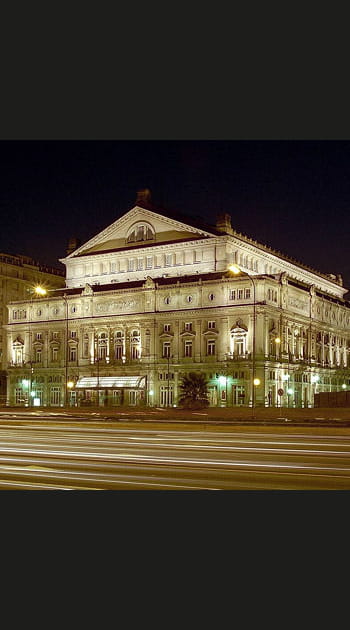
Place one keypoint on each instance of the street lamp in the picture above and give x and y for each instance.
(236, 270)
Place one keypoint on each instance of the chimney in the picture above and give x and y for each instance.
(223, 223)
(143, 197)
(73, 244)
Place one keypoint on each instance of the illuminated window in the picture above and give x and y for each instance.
(118, 345)
(135, 345)
(238, 342)
(140, 232)
(102, 345)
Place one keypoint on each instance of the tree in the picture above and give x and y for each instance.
(194, 393)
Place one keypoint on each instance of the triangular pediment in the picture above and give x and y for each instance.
(158, 229)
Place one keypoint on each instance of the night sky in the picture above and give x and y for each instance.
(291, 195)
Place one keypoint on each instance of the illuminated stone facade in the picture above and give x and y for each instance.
(151, 297)
(18, 276)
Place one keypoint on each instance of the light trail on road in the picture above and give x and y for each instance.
(81, 456)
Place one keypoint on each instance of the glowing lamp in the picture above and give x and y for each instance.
(235, 269)
(40, 291)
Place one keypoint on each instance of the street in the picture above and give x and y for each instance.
(65, 454)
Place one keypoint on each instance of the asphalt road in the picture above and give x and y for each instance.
(46, 453)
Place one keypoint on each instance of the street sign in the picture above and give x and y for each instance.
(280, 392)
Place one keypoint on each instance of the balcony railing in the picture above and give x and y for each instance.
(238, 357)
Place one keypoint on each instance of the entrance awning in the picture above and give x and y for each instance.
(115, 382)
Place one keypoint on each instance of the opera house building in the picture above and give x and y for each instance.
(154, 297)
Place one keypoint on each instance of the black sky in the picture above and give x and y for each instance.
(292, 195)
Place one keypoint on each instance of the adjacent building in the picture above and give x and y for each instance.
(18, 277)
(155, 296)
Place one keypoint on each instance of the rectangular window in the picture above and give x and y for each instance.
(38, 336)
(19, 397)
(240, 294)
(73, 334)
(166, 349)
(232, 294)
(188, 348)
(118, 353)
(139, 264)
(113, 267)
(188, 326)
(149, 261)
(55, 335)
(54, 354)
(211, 325)
(72, 354)
(247, 293)
(135, 352)
(102, 352)
(55, 396)
(167, 327)
(166, 396)
(38, 355)
(211, 347)
(131, 264)
(240, 347)
(168, 260)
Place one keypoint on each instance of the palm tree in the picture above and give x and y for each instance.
(194, 388)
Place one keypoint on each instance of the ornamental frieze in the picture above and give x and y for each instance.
(118, 305)
(297, 303)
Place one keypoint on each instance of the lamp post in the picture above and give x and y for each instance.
(168, 357)
(41, 291)
(236, 270)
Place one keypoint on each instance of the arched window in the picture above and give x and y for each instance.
(135, 346)
(102, 345)
(140, 232)
(118, 345)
